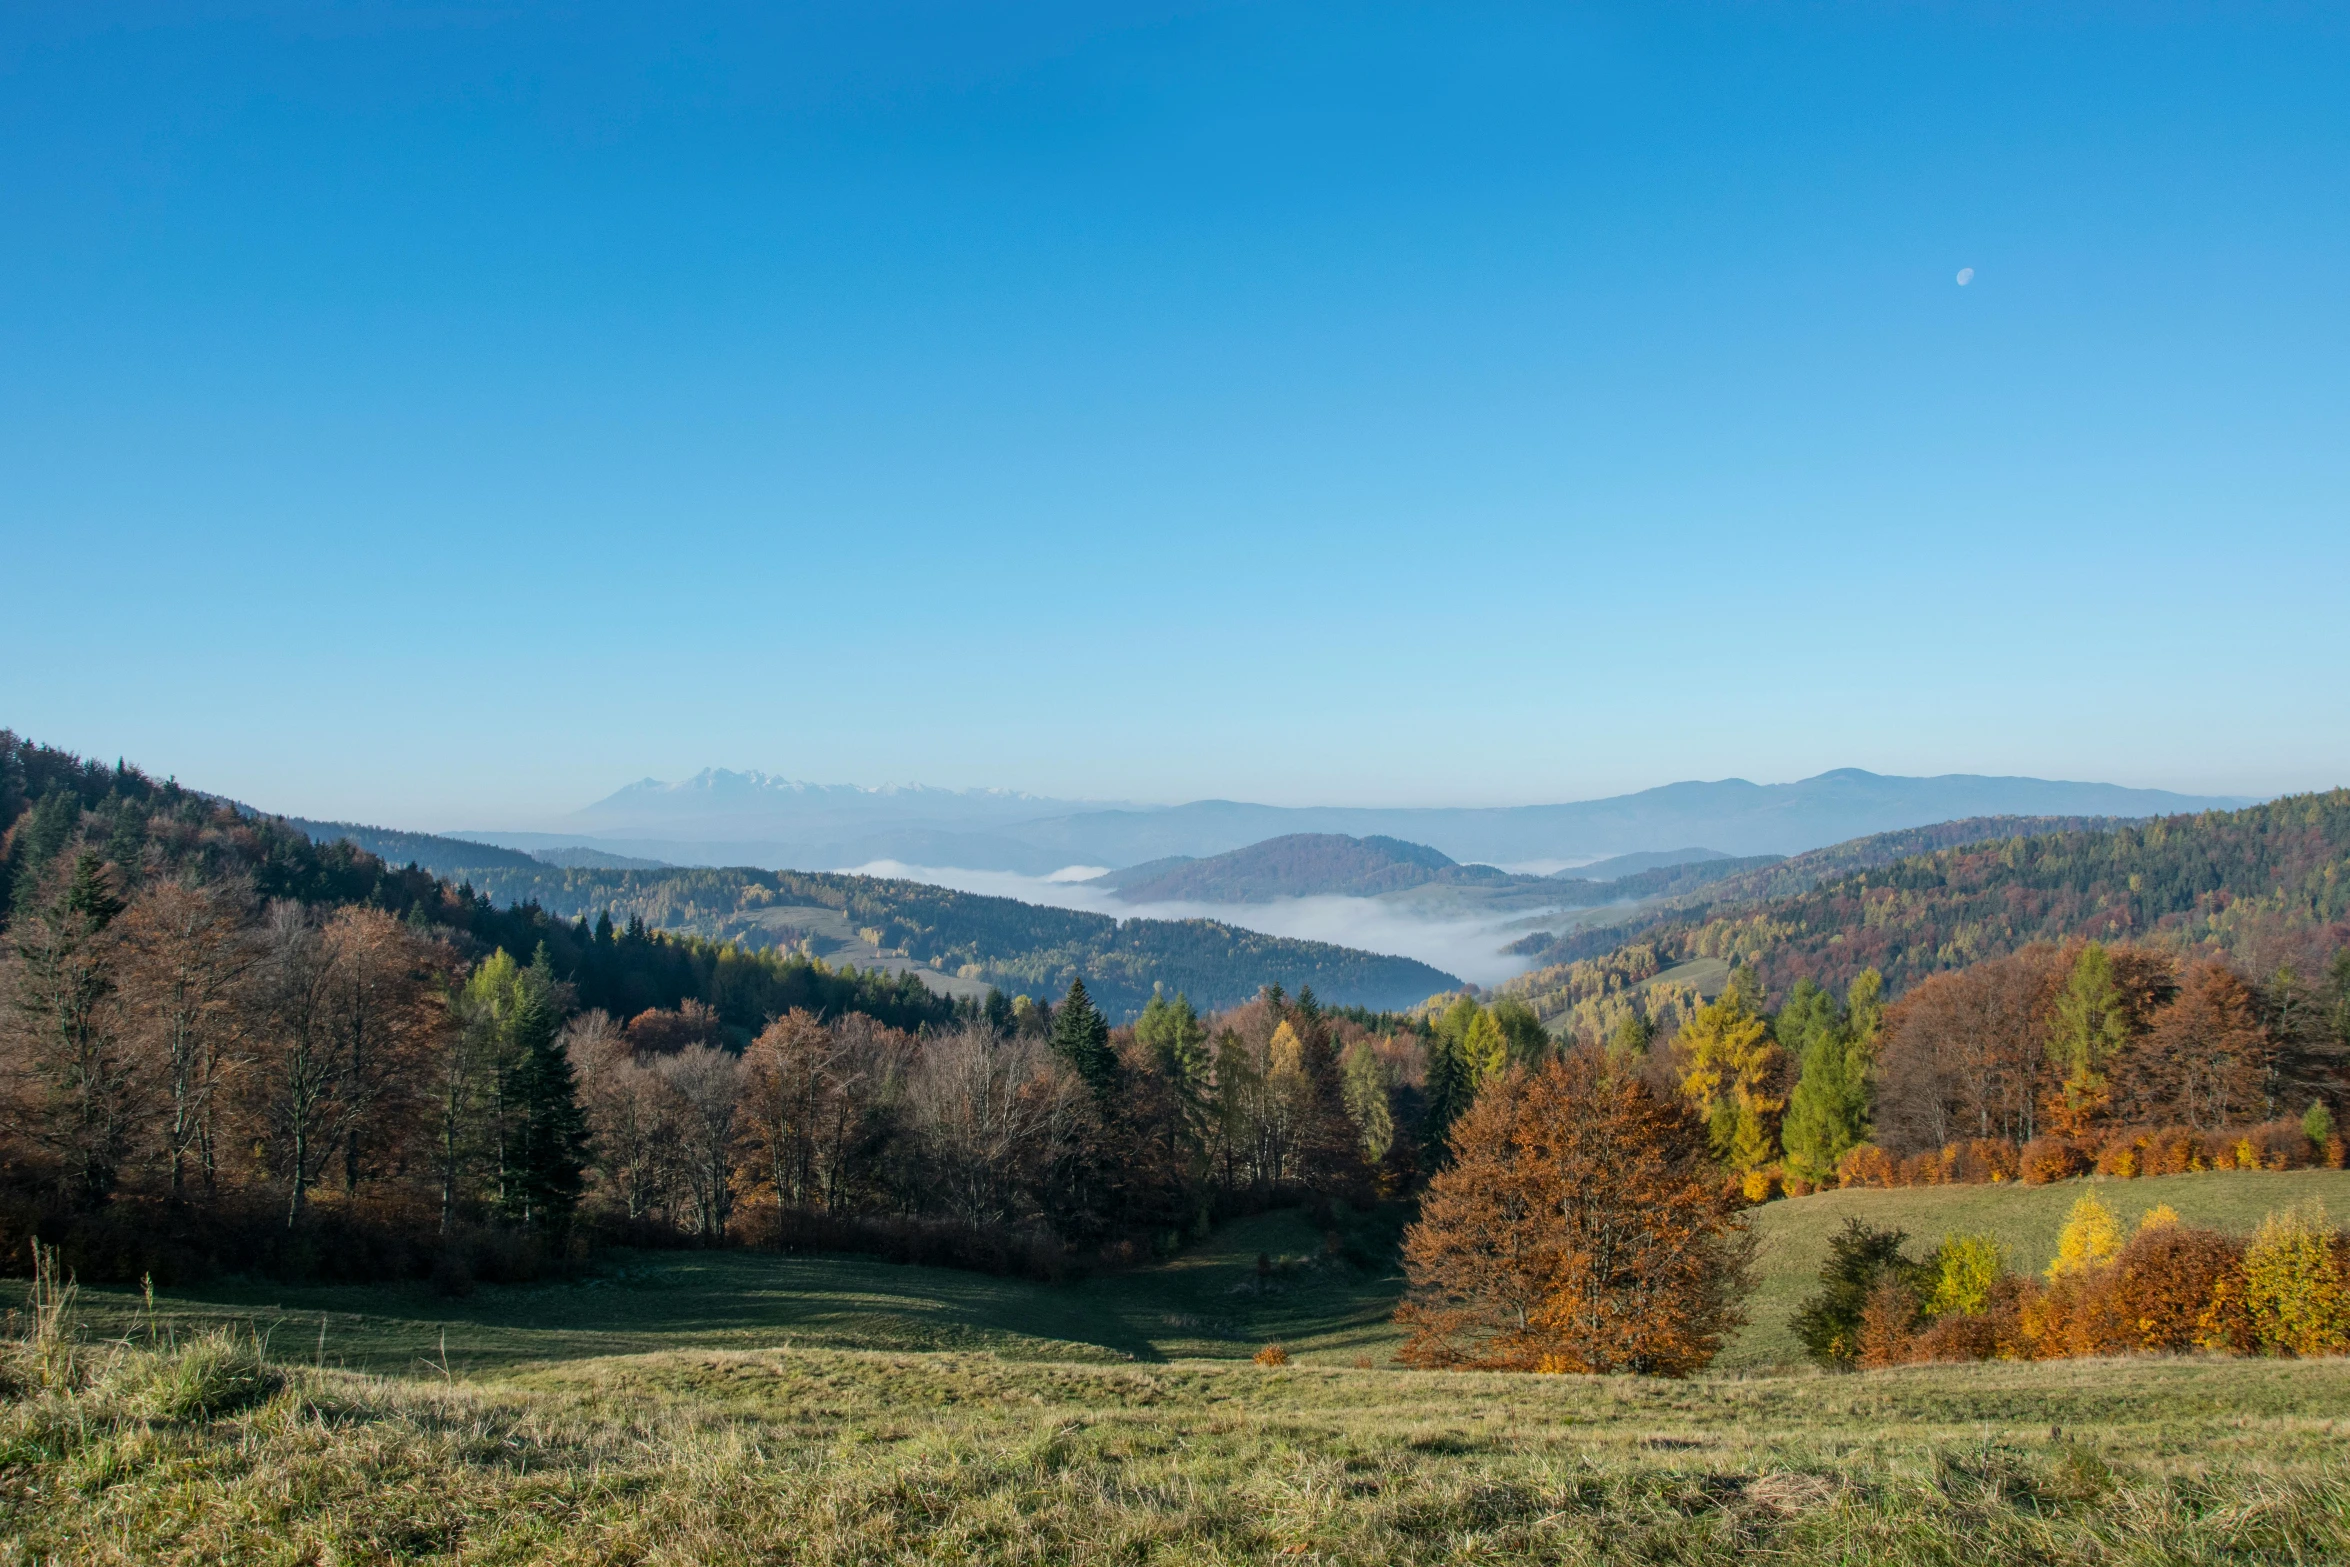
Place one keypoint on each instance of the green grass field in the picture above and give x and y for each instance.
(1210, 1303)
(736, 1407)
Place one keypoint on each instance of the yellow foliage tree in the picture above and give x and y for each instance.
(2294, 1290)
(1730, 1065)
(2089, 1238)
(1968, 1266)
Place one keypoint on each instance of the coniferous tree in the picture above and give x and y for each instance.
(548, 1154)
(1081, 1037)
(1828, 1113)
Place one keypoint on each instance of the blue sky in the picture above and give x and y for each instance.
(441, 415)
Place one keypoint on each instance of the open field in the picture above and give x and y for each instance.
(1209, 1303)
(736, 1407)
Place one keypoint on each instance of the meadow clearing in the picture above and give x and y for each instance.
(728, 1406)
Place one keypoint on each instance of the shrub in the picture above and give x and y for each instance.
(2283, 1145)
(2175, 1150)
(2162, 1283)
(1865, 1165)
(1888, 1323)
(2296, 1295)
(1271, 1355)
(1964, 1270)
(2123, 1155)
(1985, 1161)
(2046, 1159)
(2317, 1124)
(1832, 1324)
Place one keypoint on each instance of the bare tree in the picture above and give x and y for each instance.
(705, 1085)
(977, 1127)
(186, 955)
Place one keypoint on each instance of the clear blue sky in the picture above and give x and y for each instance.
(441, 415)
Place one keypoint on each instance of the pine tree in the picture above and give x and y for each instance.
(1081, 1037)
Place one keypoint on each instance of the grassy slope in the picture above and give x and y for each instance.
(1208, 1303)
(843, 1456)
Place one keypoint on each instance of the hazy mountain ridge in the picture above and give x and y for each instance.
(753, 819)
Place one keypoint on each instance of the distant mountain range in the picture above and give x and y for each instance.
(719, 817)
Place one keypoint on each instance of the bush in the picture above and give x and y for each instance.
(2296, 1285)
(2162, 1283)
(1833, 1324)
(2046, 1159)
(2123, 1155)
(1864, 1165)
(1985, 1161)
(1271, 1355)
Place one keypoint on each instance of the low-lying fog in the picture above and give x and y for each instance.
(1469, 948)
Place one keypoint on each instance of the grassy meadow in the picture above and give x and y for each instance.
(733, 1407)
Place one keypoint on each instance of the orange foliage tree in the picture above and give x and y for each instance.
(1581, 1227)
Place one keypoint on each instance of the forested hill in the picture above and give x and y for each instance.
(1301, 865)
(748, 942)
(55, 806)
(2266, 884)
(1020, 947)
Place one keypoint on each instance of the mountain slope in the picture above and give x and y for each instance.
(2269, 883)
(51, 801)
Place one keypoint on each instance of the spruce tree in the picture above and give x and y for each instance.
(549, 1127)
(1081, 1037)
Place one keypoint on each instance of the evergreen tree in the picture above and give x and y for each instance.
(2090, 1027)
(1081, 1036)
(1524, 1038)
(1828, 1112)
(1177, 1042)
(1633, 1034)
(547, 1127)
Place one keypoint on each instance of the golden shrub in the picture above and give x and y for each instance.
(1865, 1165)
(2296, 1293)
(1272, 1355)
(2046, 1159)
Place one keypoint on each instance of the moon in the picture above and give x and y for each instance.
(1966, 275)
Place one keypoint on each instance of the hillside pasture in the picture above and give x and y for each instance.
(823, 1456)
(1325, 1306)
